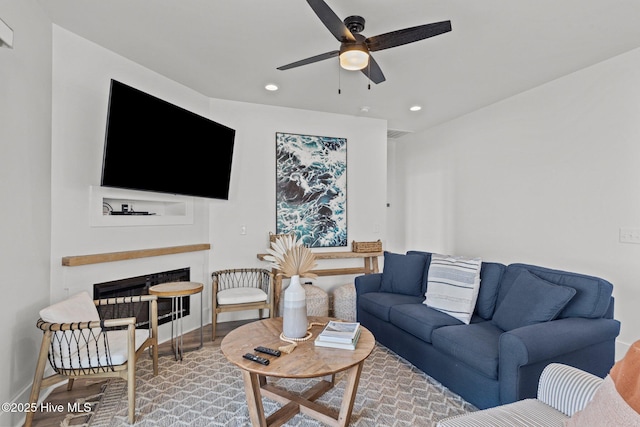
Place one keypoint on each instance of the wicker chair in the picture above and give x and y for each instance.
(241, 289)
(77, 342)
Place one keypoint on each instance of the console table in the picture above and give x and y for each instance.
(370, 261)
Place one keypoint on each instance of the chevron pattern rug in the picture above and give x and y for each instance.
(206, 390)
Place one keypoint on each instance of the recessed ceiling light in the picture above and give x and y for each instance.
(415, 108)
(271, 87)
(364, 109)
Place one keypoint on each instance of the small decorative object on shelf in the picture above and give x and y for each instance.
(363, 247)
(339, 335)
(294, 260)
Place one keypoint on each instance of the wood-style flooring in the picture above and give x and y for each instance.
(84, 388)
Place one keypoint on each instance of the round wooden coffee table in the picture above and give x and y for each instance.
(306, 361)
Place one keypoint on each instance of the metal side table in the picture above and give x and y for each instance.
(175, 291)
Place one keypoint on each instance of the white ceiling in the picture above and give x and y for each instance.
(230, 49)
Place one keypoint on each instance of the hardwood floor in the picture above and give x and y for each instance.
(85, 388)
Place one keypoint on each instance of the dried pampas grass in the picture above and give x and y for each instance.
(288, 255)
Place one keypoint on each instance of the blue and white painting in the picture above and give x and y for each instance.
(311, 188)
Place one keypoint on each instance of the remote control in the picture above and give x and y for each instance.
(267, 350)
(255, 358)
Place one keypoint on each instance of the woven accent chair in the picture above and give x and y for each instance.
(241, 289)
(78, 343)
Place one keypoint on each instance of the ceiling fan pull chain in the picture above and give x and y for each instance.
(369, 73)
(339, 80)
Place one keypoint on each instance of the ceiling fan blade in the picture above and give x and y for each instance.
(407, 35)
(373, 71)
(331, 21)
(311, 60)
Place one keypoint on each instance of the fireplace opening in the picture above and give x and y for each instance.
(133, 286)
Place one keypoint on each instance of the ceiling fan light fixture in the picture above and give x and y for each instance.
(354, 58)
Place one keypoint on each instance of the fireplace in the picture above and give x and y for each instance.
(139, 285)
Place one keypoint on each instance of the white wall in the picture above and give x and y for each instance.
(252, 193)
(546, 177)
(81, 77)
(81, 74)
(25, 191)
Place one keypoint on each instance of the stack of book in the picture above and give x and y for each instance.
(339, 335)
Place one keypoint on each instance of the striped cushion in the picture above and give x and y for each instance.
(566, 388)
(452, 285)
(528, 412)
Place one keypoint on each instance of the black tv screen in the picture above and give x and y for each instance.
(153, 145)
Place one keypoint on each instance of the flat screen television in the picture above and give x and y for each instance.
(153, 145)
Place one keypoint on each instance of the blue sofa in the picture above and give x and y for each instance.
(490, 362)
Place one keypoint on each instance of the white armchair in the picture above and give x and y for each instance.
(77, 342)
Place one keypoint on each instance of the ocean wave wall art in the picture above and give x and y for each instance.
(311, 188)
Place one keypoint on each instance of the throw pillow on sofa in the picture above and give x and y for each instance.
(402, 274)
(453, 284)
(531, 300)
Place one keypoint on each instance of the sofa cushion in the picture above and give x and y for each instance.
(379, 303)
(76, 308)
(593, 295)
(427, 260)
(531, 300)
(476, 345)
(402, 274)
(419, 320)
(490, 276)
(453, 284)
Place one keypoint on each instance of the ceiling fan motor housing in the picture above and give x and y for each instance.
(354, 23)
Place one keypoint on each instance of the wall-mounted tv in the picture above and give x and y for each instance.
(153, 145)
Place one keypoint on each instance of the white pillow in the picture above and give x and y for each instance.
(68, 345)
(453, 284)
(77, 308)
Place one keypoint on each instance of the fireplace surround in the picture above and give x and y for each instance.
(139, 285)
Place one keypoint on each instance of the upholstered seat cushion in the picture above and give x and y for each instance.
(241, 296)
(91, 350)
(476, 345)
(420, 320)
(379, 303)
(83, 348)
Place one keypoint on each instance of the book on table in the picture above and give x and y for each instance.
(346, 333)
(351, 345)
(342, 332)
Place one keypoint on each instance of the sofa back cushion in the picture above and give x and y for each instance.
(593, 294)
(403, 274)
(427, 262)
(490, 276)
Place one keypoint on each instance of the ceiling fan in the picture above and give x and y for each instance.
(355, 48)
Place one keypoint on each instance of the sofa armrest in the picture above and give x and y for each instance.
(566, 388)
(524, 352)
(543, 341)
(368, 283)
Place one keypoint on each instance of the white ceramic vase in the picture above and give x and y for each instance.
(294, 322)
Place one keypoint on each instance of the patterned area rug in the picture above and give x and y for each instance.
(206, 390)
